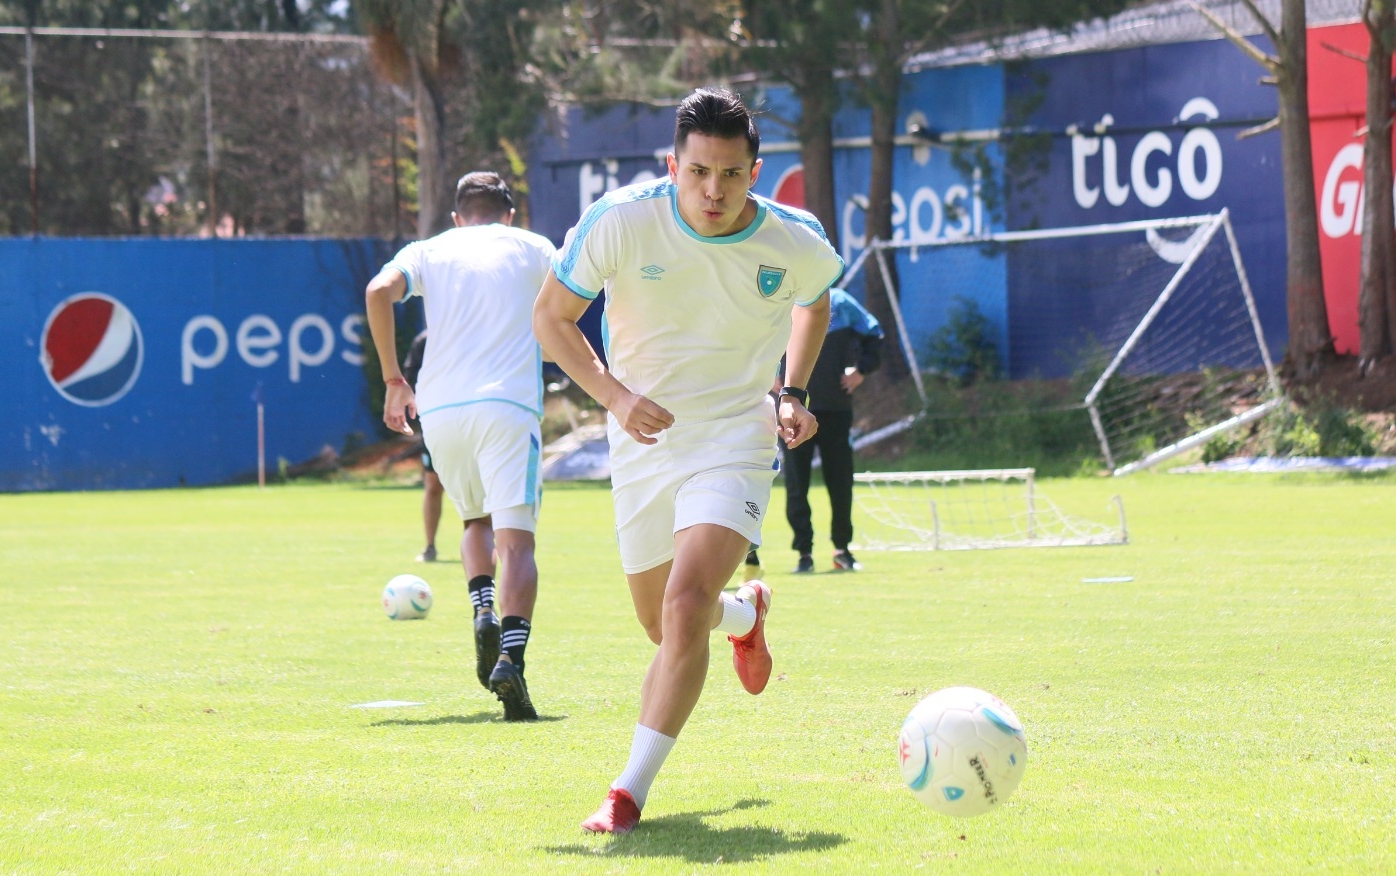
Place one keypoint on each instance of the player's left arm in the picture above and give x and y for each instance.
(809, 324)
(385, 290)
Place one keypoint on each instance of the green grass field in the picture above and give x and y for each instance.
(179, 669)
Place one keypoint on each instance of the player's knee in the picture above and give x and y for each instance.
(686, 616)
(654, 628)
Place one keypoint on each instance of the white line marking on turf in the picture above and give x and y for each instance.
(385, 704)
(1122, 579)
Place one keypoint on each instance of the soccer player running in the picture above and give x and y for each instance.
(706, 287)
(480, 399)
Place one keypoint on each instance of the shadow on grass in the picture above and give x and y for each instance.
(684, 835)
(477, 718)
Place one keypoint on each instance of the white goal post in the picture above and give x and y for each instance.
(1175, 348)
(968, 510)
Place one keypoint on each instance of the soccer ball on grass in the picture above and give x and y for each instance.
(962, 751)
(406, 597)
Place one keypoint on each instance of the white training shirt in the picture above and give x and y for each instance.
(478, 284)
(695, 324)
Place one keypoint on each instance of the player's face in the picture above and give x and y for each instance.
(713, 175)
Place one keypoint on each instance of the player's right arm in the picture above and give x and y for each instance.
(385, 290)
(555, 316)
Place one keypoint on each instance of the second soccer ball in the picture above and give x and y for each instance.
(406, 597)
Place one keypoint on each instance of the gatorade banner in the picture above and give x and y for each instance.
(1337, 116)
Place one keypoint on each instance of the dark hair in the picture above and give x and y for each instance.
(715, 112)
(483, 194)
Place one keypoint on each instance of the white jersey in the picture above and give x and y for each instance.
(478, 284)
(695, 324)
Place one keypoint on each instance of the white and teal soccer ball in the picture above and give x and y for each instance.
(406, 597)
(962, 751)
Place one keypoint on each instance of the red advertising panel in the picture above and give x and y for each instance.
(1337, 110)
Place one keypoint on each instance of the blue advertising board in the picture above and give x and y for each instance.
(937, 198)
(586, 152)
(135, 362)
(590, 152)
(1144, 133)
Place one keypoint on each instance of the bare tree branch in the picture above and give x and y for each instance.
(1269, 62)
(1259, 129)
(1264, 22)
(933, 33)
(1346, 53)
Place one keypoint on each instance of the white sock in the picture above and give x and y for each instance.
(738, 616)
(647, 753)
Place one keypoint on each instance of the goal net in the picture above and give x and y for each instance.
(1154, 318)
(965, 510)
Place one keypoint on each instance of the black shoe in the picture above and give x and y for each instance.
(486, 646)
(844, 562)
(805, 566)
(507, 682)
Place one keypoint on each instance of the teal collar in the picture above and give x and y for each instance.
(730, 238)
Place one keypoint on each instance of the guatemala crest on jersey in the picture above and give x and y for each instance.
(768, 280)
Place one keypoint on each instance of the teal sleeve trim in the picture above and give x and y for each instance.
(814, 299)
(573, 287)
(406, 276)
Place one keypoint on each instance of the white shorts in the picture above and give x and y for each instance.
(717, 471)
(488, 457)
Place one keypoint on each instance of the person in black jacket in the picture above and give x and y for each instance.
(432, 491)
(852, 349)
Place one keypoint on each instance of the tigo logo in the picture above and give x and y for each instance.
(91, 349)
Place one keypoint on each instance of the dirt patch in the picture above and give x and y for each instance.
(1341, 385)
(397, 458)
(880, 401)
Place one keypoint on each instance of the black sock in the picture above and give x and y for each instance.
(482, 592)
(513, 639)
(751, 558)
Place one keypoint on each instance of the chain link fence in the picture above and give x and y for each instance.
(124, 133)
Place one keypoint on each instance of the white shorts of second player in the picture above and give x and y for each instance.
(488, 457)
(717, 471)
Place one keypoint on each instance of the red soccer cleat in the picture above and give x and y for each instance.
(618, 814)
(750, 655)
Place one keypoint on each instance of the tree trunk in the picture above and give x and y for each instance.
(1310, 340)
(885, 84)
(816, 133)
(432, 212)
(1374, 303)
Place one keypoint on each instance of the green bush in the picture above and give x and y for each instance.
(963, 348)
(1002, 424)
(1320, 430)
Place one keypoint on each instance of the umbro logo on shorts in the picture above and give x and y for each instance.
(651, 272)
(753, 510)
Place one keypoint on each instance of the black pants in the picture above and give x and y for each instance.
(836, 457)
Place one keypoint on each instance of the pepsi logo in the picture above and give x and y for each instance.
(790, 188)
(91, 349)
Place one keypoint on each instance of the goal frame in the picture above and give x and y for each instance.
(1208, 225)
(1043, 524)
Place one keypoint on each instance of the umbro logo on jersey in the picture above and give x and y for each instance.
(768, 279)
(753, 510)
(651, 272)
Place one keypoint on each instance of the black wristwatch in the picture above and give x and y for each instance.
(795, 392)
